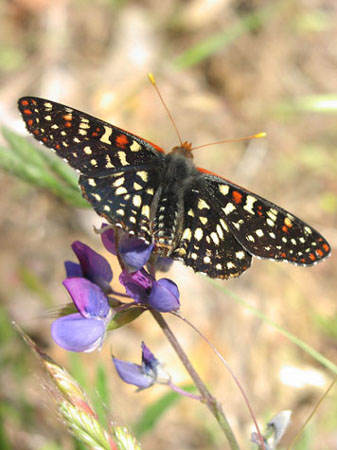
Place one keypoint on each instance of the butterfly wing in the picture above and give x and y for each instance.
(207, 244)
(264, 229)
(124, 198)
(88, 144)
(120, 172)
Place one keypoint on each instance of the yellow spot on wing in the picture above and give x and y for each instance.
(106, 135)
(135, 147)
(224, 189)
(202, 204)
(143, 175)
(122, 158)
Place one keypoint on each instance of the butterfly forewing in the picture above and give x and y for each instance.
(90, 145)
(263, 228)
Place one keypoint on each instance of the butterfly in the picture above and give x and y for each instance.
(190, 214)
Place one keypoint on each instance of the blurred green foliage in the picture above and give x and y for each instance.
(40, 168)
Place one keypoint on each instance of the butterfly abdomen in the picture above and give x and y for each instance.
(168, 219)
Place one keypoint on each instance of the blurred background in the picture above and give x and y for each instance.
(226, 69)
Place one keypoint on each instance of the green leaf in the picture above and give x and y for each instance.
(124, 317)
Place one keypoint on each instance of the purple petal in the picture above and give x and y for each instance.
(88, 298)
(133, 374)
(164, 296)
(108, 239)
(135, 252)
(148, 358)
(76, 334)
(137, 285)
(94, 266)
(73, 269)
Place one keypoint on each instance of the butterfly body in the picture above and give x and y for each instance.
(192, 215)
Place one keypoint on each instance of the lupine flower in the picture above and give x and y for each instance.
(91, 265)
(142, 376)
(83, 331)
(134, 251)
(162, 295)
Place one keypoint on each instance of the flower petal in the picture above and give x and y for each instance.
(73, 269)
(137, 285)
(76, 334)
(164, 296)
(135, 252)
(89, 299)
(133, 374)
(148, 358)
(94, 266)
(108, 239)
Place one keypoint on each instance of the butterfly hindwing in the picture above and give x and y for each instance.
(207, 245)
(264, 229)
(124, 198)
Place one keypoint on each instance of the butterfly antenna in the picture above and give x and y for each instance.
(246, 138)
(154, 84)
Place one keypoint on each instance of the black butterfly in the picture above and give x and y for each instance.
(192, 215)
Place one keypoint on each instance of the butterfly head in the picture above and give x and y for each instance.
(185, 149)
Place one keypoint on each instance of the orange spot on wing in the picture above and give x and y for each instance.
(121, 140)
(283, 255)
(237, 196)
(30, 122)
(312, 256)
(28, 112)
(260, 213)
(36, 132)
(285, 228)
(326, 247)
(44, 139)
(58, 147)
(24, 103)
(67, 117)
(319, 252)
(302, 260)
(67, 124)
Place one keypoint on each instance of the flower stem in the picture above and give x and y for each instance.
(206, 396)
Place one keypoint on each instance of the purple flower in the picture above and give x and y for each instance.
(134, 251)
(142, 376)
(162, 295)
(92, 266)
(83, 331)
